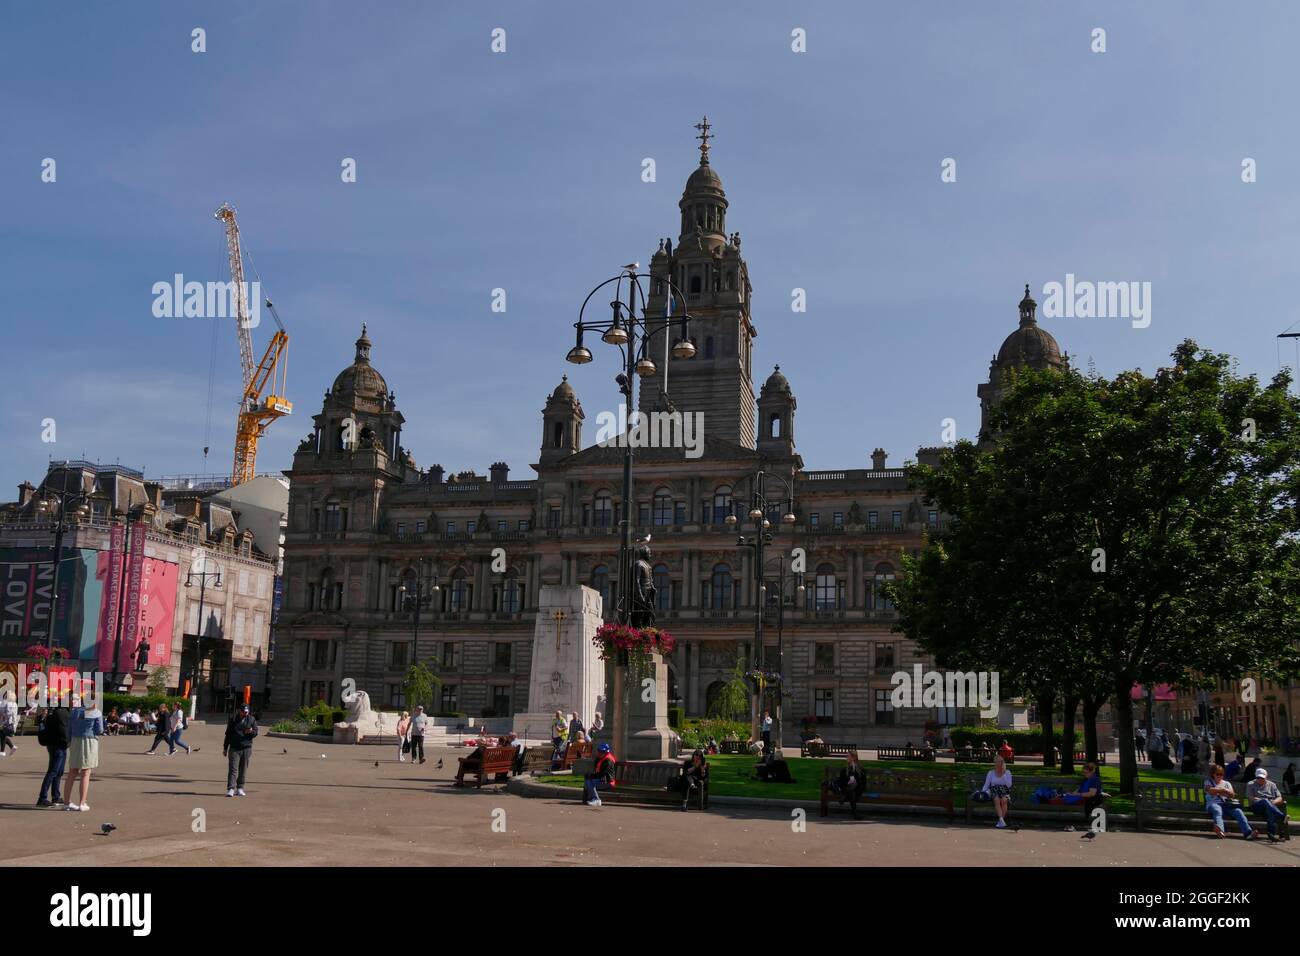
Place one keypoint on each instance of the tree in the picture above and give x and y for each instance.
(1134, 530)
(420, 686)
(157, 682)
(733, 698)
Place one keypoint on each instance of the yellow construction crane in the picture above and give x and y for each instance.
(255, 411)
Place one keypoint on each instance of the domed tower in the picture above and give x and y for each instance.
(708, 271)
(1028, 346)
(776, 407)
(561, 424)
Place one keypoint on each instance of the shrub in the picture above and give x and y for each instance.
(321, 714)
(290, 727)
(675, 717)
(450, 713)
(1021, 741)
(127, 702)
(696, 733)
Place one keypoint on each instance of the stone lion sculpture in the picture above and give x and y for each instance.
(361, 722)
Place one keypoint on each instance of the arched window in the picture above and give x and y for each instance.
(331, 591)
(460, 590)
(600, 583)
(884, 574)
(663, 588)
(720, 587)
(602, 513)
(721, 503)
(663, 507)
(826, 588)
(774, 425)
(557, 435)
(708, 346)
(731, 280)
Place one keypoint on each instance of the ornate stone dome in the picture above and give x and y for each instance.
(704, 179)
(1030, 344)
(564, 390)
(361, 378)
(776, 382)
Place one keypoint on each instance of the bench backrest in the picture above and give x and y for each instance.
(574, 751)
(652, 773)
(1023, 786)
(1186, 794)
(496, 758)
(884, 780)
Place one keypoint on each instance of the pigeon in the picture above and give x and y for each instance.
(376, 763)
(285, 750)
(106, 828)
(1090, 835)
(438, 765)
(322, 756)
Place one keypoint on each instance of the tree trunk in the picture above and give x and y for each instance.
(1091, 706)
(1128, 768)
(1045, 702)
(1067, 732)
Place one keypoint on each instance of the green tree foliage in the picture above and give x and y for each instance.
(1139, 529)
(732, 700)
(420, 686)
(157, 682)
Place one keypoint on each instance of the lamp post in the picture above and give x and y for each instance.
(67, 505)
(623, 330)
(760, 506)
(120, 598)
(416, 599)
(202, 574)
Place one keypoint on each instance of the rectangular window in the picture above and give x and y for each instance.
(396, 695)
(814, 519)
(873, 518)
(401, 531)
(450, 700)
(824, 704)
(397, 653)
(421, 527)
(501, 524)
(501, 700)
(884, 708)
(643, 514)
(450, 655)
(553, 518)
(320, 655)
(679, 512)
(525, 524)
(824, 658)
(501, 656)
(451, 527)
(333, 518)
(837, 519)
(471, 527)
(898, 519)
(934, 519)
(885, 656)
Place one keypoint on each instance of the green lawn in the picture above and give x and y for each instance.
(730, 776)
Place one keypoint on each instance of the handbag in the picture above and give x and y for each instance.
(406, 746)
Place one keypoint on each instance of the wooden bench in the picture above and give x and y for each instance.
(648, 781)
(1081, 758)
(1023, 802)
(486, 763)
(1183, 803)
(972, 755)
(573, 752)
(904, 753)
(929, 787)
(537, 759)
(825, 750)
(733, 747)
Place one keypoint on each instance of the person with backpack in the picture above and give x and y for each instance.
(238, 749)
(162, 730)
(52, 734)
(601, 778)
(178, 724)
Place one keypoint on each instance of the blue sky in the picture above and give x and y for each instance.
(521, 170)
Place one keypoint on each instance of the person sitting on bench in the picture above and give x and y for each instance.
(1088, 792)
(850, 783)
(1220, 797)
(602, 778)
(694, 776)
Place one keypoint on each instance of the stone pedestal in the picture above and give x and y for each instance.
(638, 724)
(139, 683)
(567, 672)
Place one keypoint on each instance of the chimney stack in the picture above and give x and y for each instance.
(500, 472)
(878, 459)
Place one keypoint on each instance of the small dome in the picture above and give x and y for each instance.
(1030, 345)
(361, 378)
(564, 390)
(776, 382)
(704, 178)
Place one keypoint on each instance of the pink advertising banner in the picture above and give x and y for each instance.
(150, 608)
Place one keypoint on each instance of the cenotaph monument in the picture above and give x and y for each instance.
(567, 672)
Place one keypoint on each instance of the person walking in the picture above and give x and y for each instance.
(419, 723)
(162, 730)
(8, 721)
(178, 725)
(52, 734)
(403, 736)
(238, 749)
(85, 727)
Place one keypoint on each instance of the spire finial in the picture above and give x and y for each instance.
(704, 137)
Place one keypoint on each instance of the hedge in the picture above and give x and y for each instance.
(150, 703)
(1021, 741)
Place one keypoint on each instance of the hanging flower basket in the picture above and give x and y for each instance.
(623, 643)
(43, 656)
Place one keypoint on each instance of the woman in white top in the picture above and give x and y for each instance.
(997, 784)
(403, 731)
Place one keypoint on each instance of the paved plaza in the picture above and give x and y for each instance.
(341, 809)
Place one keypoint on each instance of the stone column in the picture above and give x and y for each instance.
(693, 692)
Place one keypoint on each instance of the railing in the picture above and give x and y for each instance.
(856, 473)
